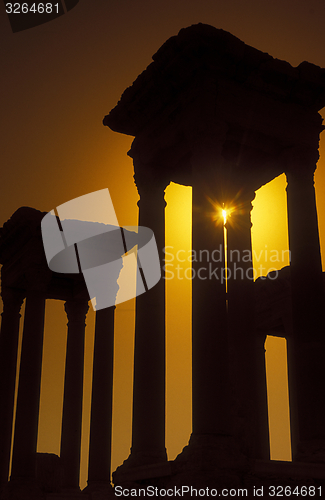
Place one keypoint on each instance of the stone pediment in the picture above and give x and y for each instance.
(202, 53)
(206, 90)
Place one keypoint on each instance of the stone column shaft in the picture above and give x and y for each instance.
(262, 430)
(210, 356)
(99, 469)
(148, 427)
(12, 301)
(248, 358)
(305, 257)
(27, 412)
(73, 392)
(306, 349)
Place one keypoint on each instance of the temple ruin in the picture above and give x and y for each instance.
(216, 114)
(25, 275)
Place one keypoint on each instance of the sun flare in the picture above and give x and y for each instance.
(224, 214)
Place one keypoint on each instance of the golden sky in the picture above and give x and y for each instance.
(58, 81)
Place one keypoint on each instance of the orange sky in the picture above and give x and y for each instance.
(58, 81)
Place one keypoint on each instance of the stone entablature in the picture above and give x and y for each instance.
(203, 53)
(206, 85)
(24, 263)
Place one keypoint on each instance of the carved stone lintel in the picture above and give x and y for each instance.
(38, 278)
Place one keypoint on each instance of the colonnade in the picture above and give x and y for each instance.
(24, 446)
(228, 358)
(217, 114)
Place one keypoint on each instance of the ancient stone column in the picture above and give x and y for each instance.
(73, 392)
(100, 441)
(148, 429)
(27, 412)
(12, 301)
(210, 352)
(306, 348)
(262, 429)
(247, 352)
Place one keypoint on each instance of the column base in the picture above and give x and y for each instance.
(208, 461)
(99, 490)
(212, 463)
(71, 491)
(4, 491)
(312, 451)
(66, 496)
(22, 489)
(137, 462)
(213, 454)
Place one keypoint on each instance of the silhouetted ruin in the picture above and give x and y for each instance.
(224, 118)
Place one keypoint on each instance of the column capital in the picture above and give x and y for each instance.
(300, 179)
(12, 299)
(299, 160)
(150, 178)
(240, 207)
(243, 197)
(76, 310)
(150, 187)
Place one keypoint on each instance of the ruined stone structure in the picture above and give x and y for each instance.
(25, 274)
(225, 118)
(216, 114)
